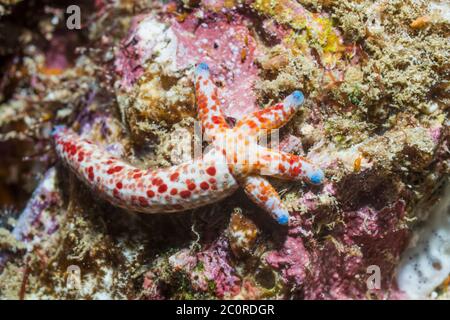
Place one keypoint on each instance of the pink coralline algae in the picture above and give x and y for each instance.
(218, 269)
(292, 260)
(337, 267)
(207, 271)
(225, 44)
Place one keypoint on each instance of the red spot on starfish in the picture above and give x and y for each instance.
(143, 201)
(162, 188)
(157, 181)
(215, 119)
(114, 169)
(211, 171)
(185, 194)
(91, 173)
(204, 185)
(174, 176)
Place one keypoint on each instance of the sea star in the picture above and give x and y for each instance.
(221, 170)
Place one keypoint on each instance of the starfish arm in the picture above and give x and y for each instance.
(287, 166)
(182, 187)
(265, 196)
(271, 117)
(208, 104)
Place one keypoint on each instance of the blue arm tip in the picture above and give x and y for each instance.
(298, 97)
(57, 129)
(295, 99)
(282, 216)
(283, 220)
(317, 177)
(201, 68)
